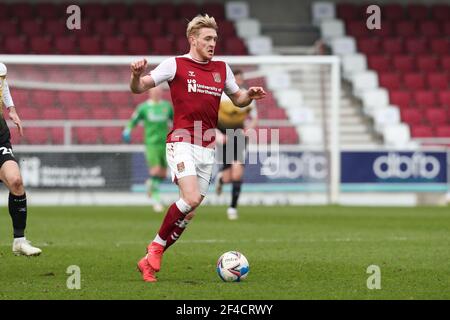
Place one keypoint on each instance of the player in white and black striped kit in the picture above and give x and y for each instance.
(10, 173)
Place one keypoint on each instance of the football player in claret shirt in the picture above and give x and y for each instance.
(196, 84)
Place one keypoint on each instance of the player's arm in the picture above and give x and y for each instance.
(12, 112)
(243, 98)
(140, 83)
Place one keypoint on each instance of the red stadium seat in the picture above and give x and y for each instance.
(68, 99)
(90, 45)
(151, 28)
(42, 98)
(93, 11)
(111, 135)
(27, 113)
(387, 29)
(187, 11)
(165, 11)
(8, 27)
(92, 99)
(369, 46)
(414, 80)
(176, 28)
(422, 131)
(436, 116)
(416, 46)
(440, 12)
(117, 10)
(438, 80)
(235, 46)
(405, 28)
(403, 63)
(103, 113)
(4, 12)
(181, 45)
(412, 116)
(47, 11)
(429, 29)
(163, 46)
(86, 135)
(21, 11)
(444, 98)
(128, 28)
(356, 28)
(124, 113)
(56, 135)
(393, 45)
(53, 113)
(41, 45)
(31, 27)
(120, 99)
(78, 113)
(138, 45)
(114, 46)
(65, 45)
(390, 80)
(36, 135)
(446, 27)
(104, 28)
(443, 131)
(379, 63)
(427, 63)
(142, 11)
(215, 10)
(55, 27)
(417, 11)
(400, 98)
(445, 62)
(347, 11)
(425, 98)
(226, 29)
(393, 11)
(21, 97)
(440, 46)
(137, 135)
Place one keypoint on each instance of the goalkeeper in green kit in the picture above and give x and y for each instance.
(155, 115)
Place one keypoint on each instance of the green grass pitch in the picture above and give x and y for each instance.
(294, 253)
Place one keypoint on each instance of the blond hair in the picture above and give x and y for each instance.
(199, 22)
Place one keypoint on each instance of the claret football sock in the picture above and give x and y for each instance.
(181, 225)
(176, 211)
(18, 211)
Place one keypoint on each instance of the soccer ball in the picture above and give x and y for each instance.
(232, 266)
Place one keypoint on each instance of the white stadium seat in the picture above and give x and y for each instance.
(248, 28)
(321, 11)
(343, 45)
(278, 80)
(374, 99)
(289, 98)
(364, 81)
(352, 64)
(236, 10)
(301, 115)
(311, 135)
(396, 135)
(260, 45)
(386, 116)
(330, 29)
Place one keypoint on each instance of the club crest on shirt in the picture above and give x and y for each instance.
(180, 167)
(216, 76)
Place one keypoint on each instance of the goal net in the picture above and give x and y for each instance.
(74, 109)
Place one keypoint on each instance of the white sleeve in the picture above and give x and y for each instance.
(230, 83)
(7, 99)
(165, 71)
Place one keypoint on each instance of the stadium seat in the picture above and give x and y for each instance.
(393, 45)
(329, 29)
(142, 11)
(42, 98)
(411, 116)
(387, 29)
(92, 99)
(405, 28)
(104, 28)
(438, 80)
(417, 46)
(138, 45)
(425, 98)
(400, 98)
(374, 99)
(445, 62)
(78, 113)
(55, 27)
(386, 116)
(369, 46)
(347, 11)
(310, 135)
(124, 112)
(85, 135)
(404, 63)
(90, 45)
(444, 98)
(393, 11)
(8, 27)
(235, 46)
(111, 135)
(342, 45)
(128, 28)
(165, 11)
(15, 45)
(4, 12)
(137, 135)
(417, 11)
(226, 29)
(31, 27)
(390, 80)
(422, 131)
(68, 99)
(429, 29)
(380, 63)
(262, 45)
(93, 11)
(120, 99)
(182, 45)
(362, 81)
(114, 46)
(187, 11)
(427, 63)
(27, 113)
(41, 45)
(21, 11)
(436, 116)
(103, 113)
(162, 46)
(117, 10)
(53, 113)
(440, 46)
(247, 28)
(443, 131)
(397, 135)
(151, 28)
(352, 64)
(56, 135)
(414, 80)
(47, 11)
(36, 135)
(440, 12)
(217, 10)
(176, 28)
(21, 97)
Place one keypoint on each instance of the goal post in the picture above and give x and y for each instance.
(255, 66)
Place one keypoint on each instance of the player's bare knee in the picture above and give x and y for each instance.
(16, 184)
(193, 200)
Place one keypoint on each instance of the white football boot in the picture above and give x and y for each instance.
(232, 213)
(21, 246)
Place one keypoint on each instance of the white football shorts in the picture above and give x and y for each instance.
(185, 159)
